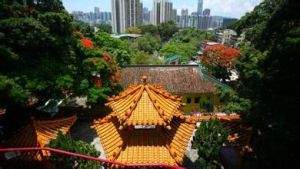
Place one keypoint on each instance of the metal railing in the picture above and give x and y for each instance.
(82, 156)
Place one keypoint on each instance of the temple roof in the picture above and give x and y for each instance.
(144, 146)
(178, 79)
(156, 131)
(39, 133)
(145, 104)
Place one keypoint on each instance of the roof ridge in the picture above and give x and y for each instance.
(132, 107)
(153, 101)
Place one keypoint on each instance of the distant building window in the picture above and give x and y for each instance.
(197, 100)
(188, 100)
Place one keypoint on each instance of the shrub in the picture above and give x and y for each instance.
(63, 142)
(208, 140)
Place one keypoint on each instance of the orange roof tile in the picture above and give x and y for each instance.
(179, 137)
(144, 104)
(146, 146)
(38, 134)
(160, 146)
(111, 137)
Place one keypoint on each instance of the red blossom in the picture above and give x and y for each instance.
(86, 42)
(220, 55)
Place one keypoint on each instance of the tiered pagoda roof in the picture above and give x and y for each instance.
(39, 133)
(146, 126)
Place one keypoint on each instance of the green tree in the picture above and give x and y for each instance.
(269, 78)
(133, 30)
(208, 140)
(146, 43)
(149, 29)
(184, 50)
(118, 48)
(104, 28)
(65, 143)
(232, 102)
(167, 30)
(43, 56)
(141, 58)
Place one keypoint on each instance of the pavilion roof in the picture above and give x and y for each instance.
(157, 132)
(39, 133)
(145, 104)
(144, 146)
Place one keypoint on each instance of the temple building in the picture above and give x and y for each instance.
(146, 126)
(188, 81)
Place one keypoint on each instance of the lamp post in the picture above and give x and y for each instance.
(97, 79)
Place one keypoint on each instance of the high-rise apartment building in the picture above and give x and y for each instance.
(200, 7)
(206, 12)
(174, 15)
(184, 19)
(146, 16)
(125, 14)
(162, 11)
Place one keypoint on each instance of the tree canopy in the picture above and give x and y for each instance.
(269, 78)
(44, 56)
(220, 60)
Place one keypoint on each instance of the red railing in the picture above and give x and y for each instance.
(109, 162)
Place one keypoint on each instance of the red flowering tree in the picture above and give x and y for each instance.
(220, 60)
(101, 73)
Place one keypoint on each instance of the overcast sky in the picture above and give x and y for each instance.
(228, 8)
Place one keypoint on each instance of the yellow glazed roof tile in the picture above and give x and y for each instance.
(111, 138)
(156, 132)
(38, 134)
(146, 146)
(144, 104)
(179, 137)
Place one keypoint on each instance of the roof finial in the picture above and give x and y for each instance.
(144, 79)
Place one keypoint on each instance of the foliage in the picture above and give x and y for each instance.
(35, 53)
(207, 105)
(104, 28)
(82, 27)
(44, 55)
(141, 58)
(220, 60)
(269, 78)
(122, 57)
(208, 139)
(149, 29)
(157, 61)
(63, 142)
(185, 51)
(118, 48)
(192, 36)
(167, 30)
(98, 94)
(133, 30)
(232, 102)
(146, 43)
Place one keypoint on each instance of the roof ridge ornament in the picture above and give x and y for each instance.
(144, 79)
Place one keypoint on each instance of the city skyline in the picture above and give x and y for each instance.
(230, 8)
